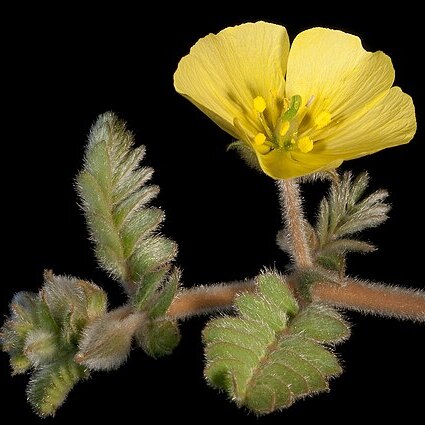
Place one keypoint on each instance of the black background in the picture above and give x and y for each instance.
(63, 67)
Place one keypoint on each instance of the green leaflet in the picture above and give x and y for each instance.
(164, 297)
(123, 226)
(347, 211)
(160, 336)
(50, 385)
(272, 352)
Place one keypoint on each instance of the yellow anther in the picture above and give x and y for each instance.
(259, 104)
(259, 139)
(305, 144)
(284, 128)
(323, 119)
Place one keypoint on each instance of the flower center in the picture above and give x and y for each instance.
(284, 134)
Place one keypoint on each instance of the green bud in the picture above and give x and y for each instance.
(106, 343)
(159, 338)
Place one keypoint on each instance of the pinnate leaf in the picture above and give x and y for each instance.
(272, 353)
(116, 201)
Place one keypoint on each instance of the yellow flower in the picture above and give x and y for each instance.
(301, 109)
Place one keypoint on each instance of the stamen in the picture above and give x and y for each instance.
(261, 144)
(259, 139)
(285, 132)
(323, 119)
(265, 125)
(259, 104)
(305, 144)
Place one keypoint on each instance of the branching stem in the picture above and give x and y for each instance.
(350, 294)
(372, 298)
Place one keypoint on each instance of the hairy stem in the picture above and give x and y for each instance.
(352, 294)
(373, 298)
(206, 299)
(295, 224)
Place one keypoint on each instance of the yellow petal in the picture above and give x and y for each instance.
(334, 71)
(224, 73)
(281, 164)
(391, 122)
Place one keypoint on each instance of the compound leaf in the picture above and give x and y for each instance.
(272, 353)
